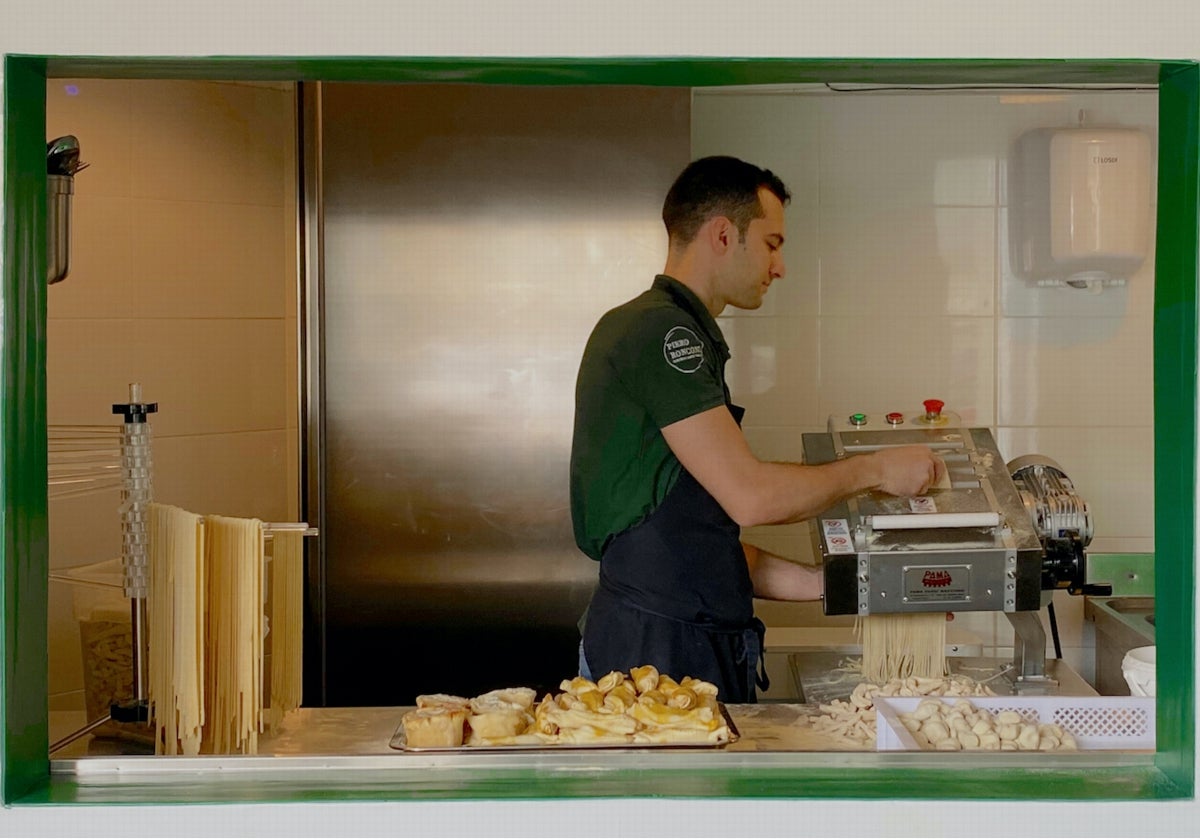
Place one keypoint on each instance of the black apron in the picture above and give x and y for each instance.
(675, 592)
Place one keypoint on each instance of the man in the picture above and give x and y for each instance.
(662, 479)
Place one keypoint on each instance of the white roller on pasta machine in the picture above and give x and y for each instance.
(993, 536)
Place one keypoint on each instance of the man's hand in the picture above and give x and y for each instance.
(907, 470)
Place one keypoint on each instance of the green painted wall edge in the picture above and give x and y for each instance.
(25, 541)
(23, 461)
(967, 780)
(1175, 353)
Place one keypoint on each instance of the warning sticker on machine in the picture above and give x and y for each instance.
(837, 536)
(922, 504)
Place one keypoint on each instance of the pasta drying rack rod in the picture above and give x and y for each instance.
(136, 495)
(270, 529)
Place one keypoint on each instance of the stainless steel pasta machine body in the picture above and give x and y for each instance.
(972, 543)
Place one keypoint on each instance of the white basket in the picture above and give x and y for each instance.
(1098, 723)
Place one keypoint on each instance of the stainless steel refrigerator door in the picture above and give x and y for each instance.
(472, 236)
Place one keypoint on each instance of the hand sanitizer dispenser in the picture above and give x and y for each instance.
(1080, 206)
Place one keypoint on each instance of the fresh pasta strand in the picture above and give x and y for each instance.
(286, 625)
(902, 645)
(235, 635)
(175, 611)
(159, 619)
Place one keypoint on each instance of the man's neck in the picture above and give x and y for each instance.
(683, 268)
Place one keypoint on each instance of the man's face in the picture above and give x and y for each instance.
(758, 258)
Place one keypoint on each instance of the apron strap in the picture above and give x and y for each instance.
(755, 640)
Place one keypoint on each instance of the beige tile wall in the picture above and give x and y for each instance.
(183, 278)
(899, 288)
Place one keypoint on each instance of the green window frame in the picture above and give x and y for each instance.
(24, 762)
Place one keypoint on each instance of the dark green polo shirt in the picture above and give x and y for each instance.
(649, 363)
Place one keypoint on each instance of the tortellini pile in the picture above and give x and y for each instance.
(853, 721)
(961, 726)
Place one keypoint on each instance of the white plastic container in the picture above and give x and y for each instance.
(1098, 723)
(1140, 669)
(106, 644)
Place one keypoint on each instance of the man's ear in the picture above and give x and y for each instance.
(722, 234)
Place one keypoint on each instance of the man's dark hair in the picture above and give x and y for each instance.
(717, 186)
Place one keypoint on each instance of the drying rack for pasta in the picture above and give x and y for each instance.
(136, 483)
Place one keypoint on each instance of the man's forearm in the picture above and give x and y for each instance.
(779, 579)
(753, 492)
(784, 492)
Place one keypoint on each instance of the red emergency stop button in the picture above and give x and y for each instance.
(933, 409)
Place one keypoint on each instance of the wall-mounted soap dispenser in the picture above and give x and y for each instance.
(62, 162)
(1079, 211)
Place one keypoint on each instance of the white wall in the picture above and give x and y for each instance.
(899, 287)
(846, 28)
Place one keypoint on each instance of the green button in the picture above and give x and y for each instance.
(858, 419)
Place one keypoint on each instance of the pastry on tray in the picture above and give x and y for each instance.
(435, 727)
(643, 707)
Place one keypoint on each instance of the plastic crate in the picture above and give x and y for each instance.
(1098, 723)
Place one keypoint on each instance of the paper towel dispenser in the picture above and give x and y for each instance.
(1080, 206)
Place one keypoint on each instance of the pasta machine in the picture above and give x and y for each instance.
(990, 536)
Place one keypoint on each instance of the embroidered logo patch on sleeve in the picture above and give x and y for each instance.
(683, 350)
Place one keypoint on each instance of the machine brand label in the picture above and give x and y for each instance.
(683, 350)
(937, 584)
(936, 578)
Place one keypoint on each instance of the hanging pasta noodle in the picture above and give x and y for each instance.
(902, 645)
(286, 636)
(175, 616)
(234, 676)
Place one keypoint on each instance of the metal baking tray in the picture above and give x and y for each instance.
(400, 742)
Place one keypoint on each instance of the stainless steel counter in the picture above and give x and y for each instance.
(329, 732)
(349, 742)
(358, 737)
(355, 741)
(344, 734)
